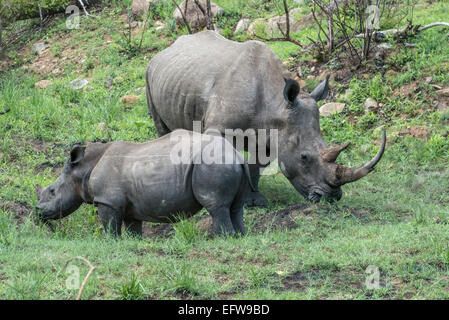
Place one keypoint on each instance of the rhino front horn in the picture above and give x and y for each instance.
(345, 175)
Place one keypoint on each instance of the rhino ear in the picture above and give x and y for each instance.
(291, 90)
(77, 154)
(320, 92)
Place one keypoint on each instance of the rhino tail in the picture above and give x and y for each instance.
(248, 175)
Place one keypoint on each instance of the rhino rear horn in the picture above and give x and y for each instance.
(331, 154)
(320, 92)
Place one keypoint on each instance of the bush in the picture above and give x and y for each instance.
(12, 10)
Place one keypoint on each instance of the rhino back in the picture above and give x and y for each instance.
(206, 77)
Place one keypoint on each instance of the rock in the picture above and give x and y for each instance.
(443, 92)
(40, 47)
(324, 74)
(331, 108)
(139, 8)
(256, 26)
(302, 83)
(131, 25)
(390, 74)
(78, 84)
(101, 126)
(129, 99)
(273, 25)
(217, 29)
(43, 84)
(194, 15)
(428, 80)
(159, 25)
(242, 25)
(371, 105)
(299, 71)
(108, 83)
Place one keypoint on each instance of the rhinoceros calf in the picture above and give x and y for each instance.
(156, 181)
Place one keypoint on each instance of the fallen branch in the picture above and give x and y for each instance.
(92, 268)
(409, 30)
(84, 8)
(5, 111)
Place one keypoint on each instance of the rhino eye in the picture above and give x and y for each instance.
(52, 191)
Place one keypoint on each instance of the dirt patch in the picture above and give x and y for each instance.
(407, 89)
(415, 131)
(20, 210)
(285, 219)
(298, 281)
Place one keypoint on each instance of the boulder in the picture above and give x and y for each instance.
(194, 15)
(43, 84)
(242, 25)
(129, 99)
(274, 25)
(139, 8)
(159, 25)
(371, 105)
(443, 92)
(78, 84)
(331, 108)
(39, 47)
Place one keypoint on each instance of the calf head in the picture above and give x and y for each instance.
(304, 157)
(69, 191)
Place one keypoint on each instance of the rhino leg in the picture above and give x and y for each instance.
(134, 227)
(111, 219)
(253, 199)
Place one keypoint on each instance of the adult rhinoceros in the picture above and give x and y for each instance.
(231, 85)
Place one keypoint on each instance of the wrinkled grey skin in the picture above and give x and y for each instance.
(131, 183)
(231, 85)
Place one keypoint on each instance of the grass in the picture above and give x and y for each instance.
(395, 219)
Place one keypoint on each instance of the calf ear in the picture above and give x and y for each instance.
(320, 92)
(77, 154)
(291, 90)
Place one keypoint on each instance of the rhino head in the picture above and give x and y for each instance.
(304, 157)
(70, 189)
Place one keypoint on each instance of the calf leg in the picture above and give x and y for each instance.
(221, 220)
(237, 220)
(134, 227)
(111, 219)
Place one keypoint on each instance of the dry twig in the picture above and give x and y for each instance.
(92, 268)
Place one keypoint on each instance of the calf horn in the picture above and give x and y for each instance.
(345, 175)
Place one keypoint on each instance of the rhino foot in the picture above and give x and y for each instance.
(256, 199)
